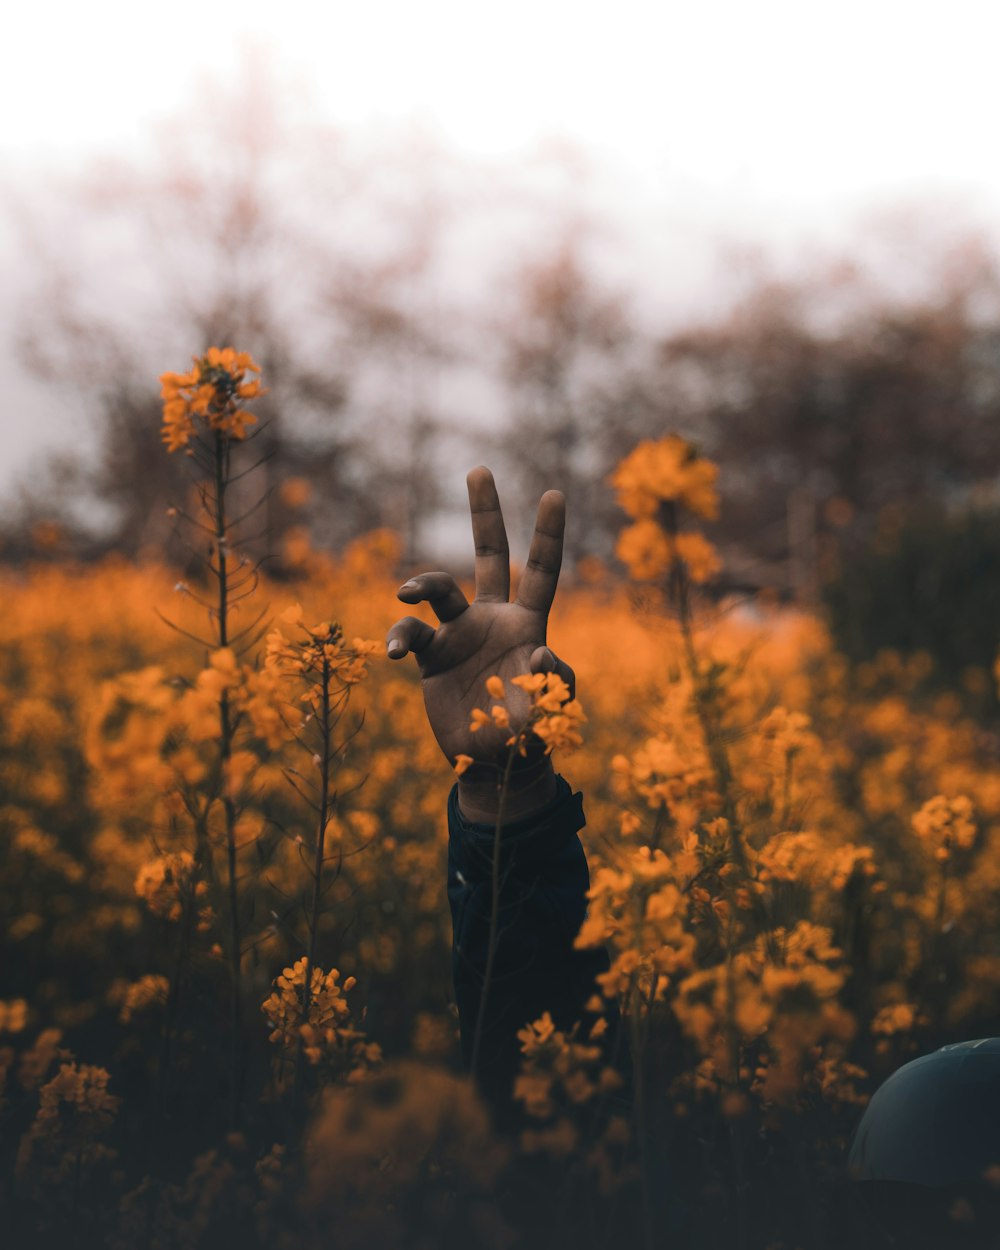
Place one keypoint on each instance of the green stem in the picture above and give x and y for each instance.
(641, 1025)
(172, 1010)
(324, 817)
(712, 730)
(228, 806)
(939, 922)
(786, 794)
(494, 910)
(735, 1132)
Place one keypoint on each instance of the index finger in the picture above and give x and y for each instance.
(490, 536)
(537, 587)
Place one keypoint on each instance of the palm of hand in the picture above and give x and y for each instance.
(487, 639)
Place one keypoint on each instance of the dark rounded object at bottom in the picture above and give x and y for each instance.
(924, 1151)
(935, 1121)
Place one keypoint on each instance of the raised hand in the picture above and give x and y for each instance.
(488, 637)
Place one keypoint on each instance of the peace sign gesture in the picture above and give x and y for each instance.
(488, 637)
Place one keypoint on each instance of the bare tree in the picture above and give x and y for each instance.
(241, 227)
(566, 358)
(822, 423)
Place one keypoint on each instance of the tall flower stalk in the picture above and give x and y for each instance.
(203, 416)
(655, 483)
(323, 669)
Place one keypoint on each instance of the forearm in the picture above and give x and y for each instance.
(542, 903)
(529, 790)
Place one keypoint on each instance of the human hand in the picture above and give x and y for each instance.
(488, 637)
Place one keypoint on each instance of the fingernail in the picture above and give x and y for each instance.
(394, 646)
(408, 586)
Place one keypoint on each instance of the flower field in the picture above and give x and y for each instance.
(227, 1015)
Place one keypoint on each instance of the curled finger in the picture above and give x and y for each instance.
(408, 634)
(440, 590)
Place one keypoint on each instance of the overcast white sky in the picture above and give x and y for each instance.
(774, 117)
(788, 100)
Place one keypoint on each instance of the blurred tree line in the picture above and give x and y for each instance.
(856, 424)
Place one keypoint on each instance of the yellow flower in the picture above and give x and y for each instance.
(896, 1018)
(536, 1034)
(178, 427)
(295, 491)
(84, 1088)
(699, 555)
(167, 883)
(149, 991)
(645, 550)
(946, 823)
(555, 718)
(666, 470)
(649, 552)
(13, 1015)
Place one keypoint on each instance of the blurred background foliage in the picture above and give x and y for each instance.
(412, 310)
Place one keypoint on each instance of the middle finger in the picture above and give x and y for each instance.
(490, 535)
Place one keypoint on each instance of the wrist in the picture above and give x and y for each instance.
(529, 789)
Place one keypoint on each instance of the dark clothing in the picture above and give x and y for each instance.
(543, 902)
(544, 883)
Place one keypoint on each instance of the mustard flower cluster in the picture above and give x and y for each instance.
(659, 475)
(317, 655)
(553, 716)
(169, 884)
(210, 392)
(324, 1027)
(946, 825)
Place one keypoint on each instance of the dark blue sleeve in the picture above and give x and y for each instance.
(544, 883)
